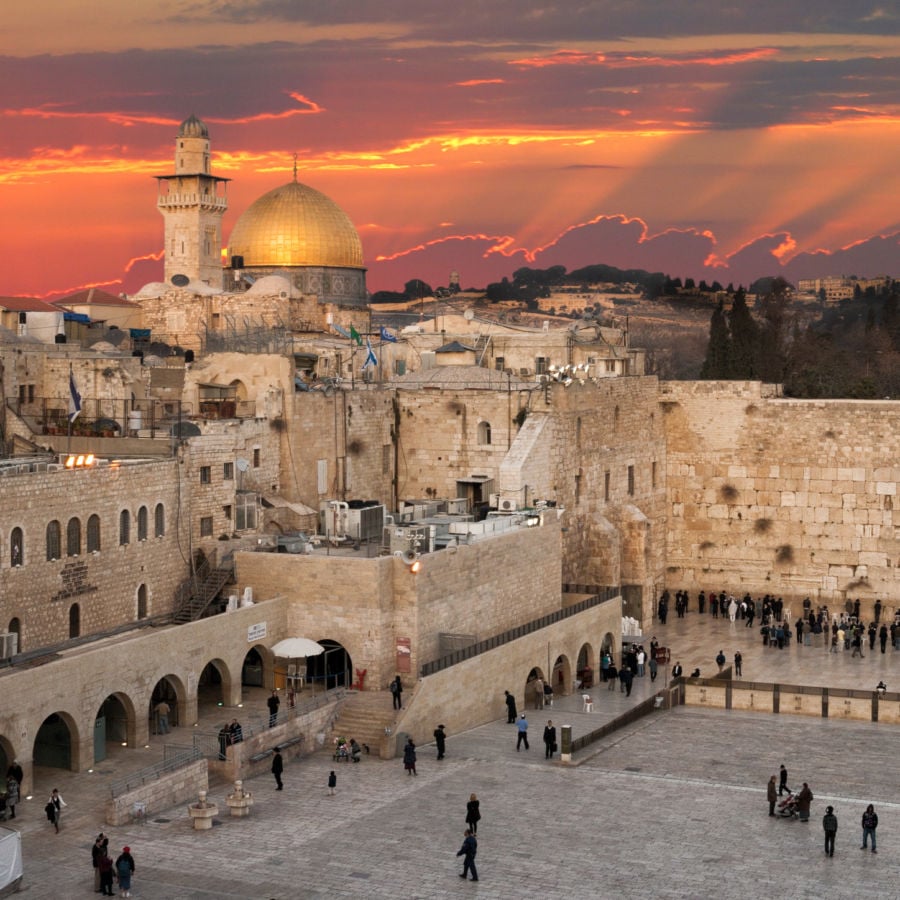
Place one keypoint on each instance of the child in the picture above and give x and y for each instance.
(332, 782)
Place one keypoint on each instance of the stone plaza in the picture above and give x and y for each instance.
(673, 805)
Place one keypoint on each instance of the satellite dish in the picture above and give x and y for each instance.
(469, 314)
(180, 280)
(242, 464)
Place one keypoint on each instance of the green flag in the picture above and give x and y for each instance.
(354, 336)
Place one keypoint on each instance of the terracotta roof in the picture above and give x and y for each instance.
(93, 296)
(26, 304)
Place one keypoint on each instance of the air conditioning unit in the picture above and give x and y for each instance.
(9, 644)
(508, 505)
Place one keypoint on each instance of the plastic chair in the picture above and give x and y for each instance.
(587, 703)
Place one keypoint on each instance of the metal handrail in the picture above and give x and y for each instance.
(183, 756)
(458, 656)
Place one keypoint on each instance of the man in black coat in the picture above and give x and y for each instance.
(440, 740)
(510, 708)
(277, 768)
(468, 850)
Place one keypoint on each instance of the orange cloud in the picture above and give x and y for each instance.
(155, 257)
(474, 82)
(580, 58)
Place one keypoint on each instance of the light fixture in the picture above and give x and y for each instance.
(416, 565)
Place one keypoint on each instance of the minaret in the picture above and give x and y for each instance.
(192, 202)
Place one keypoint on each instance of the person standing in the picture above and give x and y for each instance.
(440, 740)
(782, 781)
(738, 662)
(771, 795)
(332, 783)
(522, 728)
(882, 637)
(409, 757)
(877, 610)
(105, 874)
(720, 660)
(15, 771)
(626, 677)
(538, 686)
(12, 796)
(162, 717)
(613, 675)
(804, 800)
(653, 666)
(677, 670)
(473, 813)
(467, 851)
(273, 703)
(277, 768)
(54, 808)
(510, 708)
(830, 825)
(397, 693)
(125, 871)
(549, 739)
(100, 848)
(869, 824)
(641, 662)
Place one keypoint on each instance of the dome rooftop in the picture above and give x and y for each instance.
(296, 225)
(193, 127)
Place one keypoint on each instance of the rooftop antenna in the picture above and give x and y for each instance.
(295, 168)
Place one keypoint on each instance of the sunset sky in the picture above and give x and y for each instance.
(702, 138)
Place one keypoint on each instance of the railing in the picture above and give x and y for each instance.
(208, 743)
(491, 643)
(175, 758)
(637, 712)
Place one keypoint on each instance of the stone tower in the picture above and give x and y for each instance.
(192, 202)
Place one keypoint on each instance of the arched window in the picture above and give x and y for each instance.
(484, 432)
(124, 527)
(142, 602)
(73, 537)
(93, 534)
(74, 621)
(615, 418)
(15, 627)
(53, 540)
(16, 547)
(578, 432)
(142, 523)
(159, 528)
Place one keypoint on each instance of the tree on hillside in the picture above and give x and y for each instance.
(717, 364)
(416, 289)
(744, 338)
(771, 355)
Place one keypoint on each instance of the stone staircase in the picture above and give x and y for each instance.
(364, 715)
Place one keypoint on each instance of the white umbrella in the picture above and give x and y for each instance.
(297, 646)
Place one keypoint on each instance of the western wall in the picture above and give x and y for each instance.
(788, 497)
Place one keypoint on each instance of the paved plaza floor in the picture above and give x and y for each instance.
(672, 806)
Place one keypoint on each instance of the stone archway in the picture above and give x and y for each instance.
(256, 667)
(534, 698)
(56, 744)
(586, 666)
(171, 689)
(333, 668)
(561, 676)
(114, 724)
(214, 686)
(7, 754)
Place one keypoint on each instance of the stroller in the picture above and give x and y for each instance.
(787, 808)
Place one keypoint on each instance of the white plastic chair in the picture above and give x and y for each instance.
(587, 703)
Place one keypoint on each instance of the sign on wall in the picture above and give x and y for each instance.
(404, 657)
(256, 632)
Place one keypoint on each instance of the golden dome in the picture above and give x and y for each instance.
(296, 225)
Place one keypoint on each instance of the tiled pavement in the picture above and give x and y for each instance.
(673, 806)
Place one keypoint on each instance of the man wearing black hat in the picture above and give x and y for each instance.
(440, 739)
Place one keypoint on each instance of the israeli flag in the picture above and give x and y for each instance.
(74, 398)
(371, 360)
(387, 337)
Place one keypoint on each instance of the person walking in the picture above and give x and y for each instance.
(54, 808)
(782, 781)
(125, 871)
(804, 800)
(12, 796)
(278, 768)
(473, 813)
(273, 703)
(440, 740)
(720, 660)
(549, 739)
(467, 851)
(332, 783)
(653, 666)
(771, 795)
(869, 824)
(522, 729)
(613, 676)
(510, 708)
(738, 662)
(409, 757)
(830, 826)
(397, 692)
